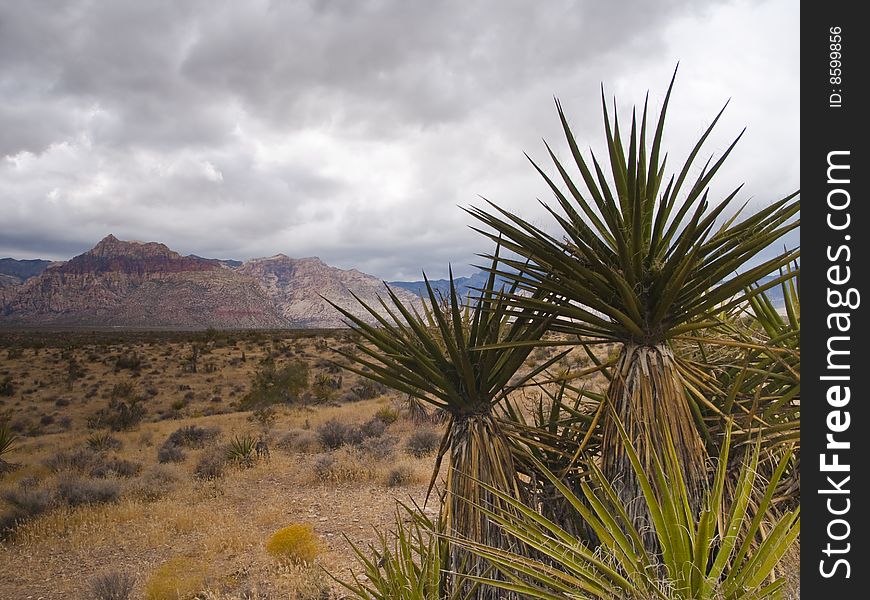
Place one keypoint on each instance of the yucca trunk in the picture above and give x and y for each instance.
(648, 396)
(479, 454)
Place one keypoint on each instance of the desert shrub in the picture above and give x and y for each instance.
(299, 440)
(116, 466)
(374, 427)
(61, 402)
(111, 585)
(170, 453)
(367, 389)
(103, 441)
(80, 460)
(179, 578)
(28, 499)
(210, 466)
(75, 490)
(296, 544)
(14, 353)
(7, 386)
(378, 448)
(124, 412)
(156, 482)
(277, 386)
(74, 371)
(423, 442)
(342, 467)
(128, 360)
(264, 415)
(192, 436)
(387, 415)
(324, 387)
(399, 476)
(333, 434)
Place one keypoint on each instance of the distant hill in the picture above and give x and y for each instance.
(466, 285)
(22, 269)
(147, 285)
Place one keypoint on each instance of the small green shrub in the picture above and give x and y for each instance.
(277, 386)
(241, 450)
(387, 415)
(103, 441)
(325, 387)
(296, 544)
(124, 412)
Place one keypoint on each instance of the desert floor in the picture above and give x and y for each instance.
(82, 501)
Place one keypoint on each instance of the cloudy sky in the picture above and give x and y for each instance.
(353, 130)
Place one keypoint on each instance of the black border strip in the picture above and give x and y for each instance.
(834, 255)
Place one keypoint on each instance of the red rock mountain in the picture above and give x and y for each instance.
(135, 284)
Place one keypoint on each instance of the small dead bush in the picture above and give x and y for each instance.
(156, 482)
(399, 476)
(423, 442)
(75, 491)
(333, 434)
(112, 585)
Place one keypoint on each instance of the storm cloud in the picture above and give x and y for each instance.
(354, 130)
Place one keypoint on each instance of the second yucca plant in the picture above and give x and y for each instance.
(440, 356)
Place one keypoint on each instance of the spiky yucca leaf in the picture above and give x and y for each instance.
(703, 555)
(441, 357)
(7, 439)
(641, 259)
(406, 564)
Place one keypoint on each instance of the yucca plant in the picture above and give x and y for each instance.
(640, 260)
(406, 564)
(241, 450)
(747, 377)
(721, 554)
(556, 432)
(8, 441)
(435, 355)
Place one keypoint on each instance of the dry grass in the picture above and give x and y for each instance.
(165, 514)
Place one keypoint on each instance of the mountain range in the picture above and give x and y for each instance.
(147, 285)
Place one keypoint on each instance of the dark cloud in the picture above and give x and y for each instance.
(350, 130)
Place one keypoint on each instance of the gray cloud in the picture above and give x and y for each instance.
(352, 130)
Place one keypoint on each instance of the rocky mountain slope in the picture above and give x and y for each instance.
(135, 284)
